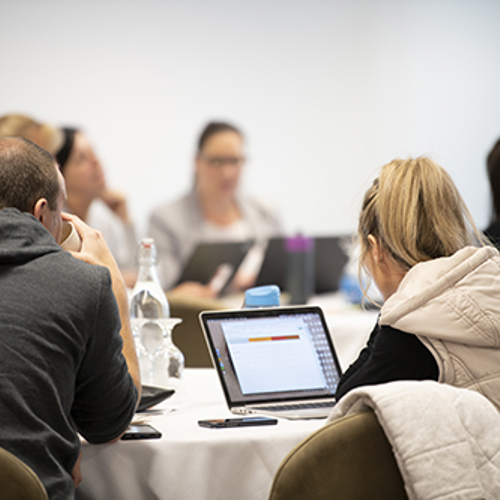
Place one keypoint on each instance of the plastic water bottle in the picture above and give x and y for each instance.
(161, 362)
(299, 276)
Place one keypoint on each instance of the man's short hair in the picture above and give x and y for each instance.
(27, 173)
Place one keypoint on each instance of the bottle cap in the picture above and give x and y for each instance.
(147, 251)
(147, 242)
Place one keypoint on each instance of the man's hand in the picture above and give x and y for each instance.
(76, 474)
(95, 251)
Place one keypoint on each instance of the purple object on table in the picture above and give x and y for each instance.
(299, 244)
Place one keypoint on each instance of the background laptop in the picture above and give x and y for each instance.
(330, 258)
(215, 262)
(278, 361)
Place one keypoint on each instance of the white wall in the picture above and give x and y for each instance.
(327, 91)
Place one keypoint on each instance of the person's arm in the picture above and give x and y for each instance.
(127, 235)
(130, 242)
(76, 473)
(193, 289)
(95, 251)
(117, 202)
(168, 250)
(389, 355)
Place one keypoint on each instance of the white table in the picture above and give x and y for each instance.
(194, 463)
(190, 462)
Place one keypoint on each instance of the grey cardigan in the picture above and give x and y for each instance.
(177, 229)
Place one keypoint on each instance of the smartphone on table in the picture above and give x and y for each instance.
(141, 431)
(222, 423)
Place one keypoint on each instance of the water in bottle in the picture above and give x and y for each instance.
(160, 360)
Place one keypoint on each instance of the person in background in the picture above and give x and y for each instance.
(441, 314)
(43, 134)
(213, 211)
(87, 193)
(90, 199)
(68, 359)
(493, 166)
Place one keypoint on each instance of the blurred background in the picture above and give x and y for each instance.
(326, 92)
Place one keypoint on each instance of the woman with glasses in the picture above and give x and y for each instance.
(213, 211)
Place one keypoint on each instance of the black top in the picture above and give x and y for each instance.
(493, 233)
(389, 355)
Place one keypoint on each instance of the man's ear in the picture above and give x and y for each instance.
(41, 209)
(375, 249)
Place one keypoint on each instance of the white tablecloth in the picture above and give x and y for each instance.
(194, 463)
(190, 462)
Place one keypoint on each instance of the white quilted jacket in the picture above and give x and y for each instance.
(453, 305)
(446, 440)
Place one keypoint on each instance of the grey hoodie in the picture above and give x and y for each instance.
(61, 367)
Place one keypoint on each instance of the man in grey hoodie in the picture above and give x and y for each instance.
(67, 362)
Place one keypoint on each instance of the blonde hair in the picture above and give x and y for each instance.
(416, 213)
(42, 134)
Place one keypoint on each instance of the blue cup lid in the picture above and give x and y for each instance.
(263, 296)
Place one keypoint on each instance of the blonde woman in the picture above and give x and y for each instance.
(17, 124)
(441, 314)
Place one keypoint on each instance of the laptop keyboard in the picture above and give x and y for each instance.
(298, 406)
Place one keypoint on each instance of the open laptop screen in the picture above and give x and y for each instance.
(330, 259)
(208, 259)
(272, 355)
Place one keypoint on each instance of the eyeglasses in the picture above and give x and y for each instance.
(220, 161)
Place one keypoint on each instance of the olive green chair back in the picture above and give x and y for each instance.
(17, 480)
(348, 459)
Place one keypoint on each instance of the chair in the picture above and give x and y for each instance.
(188, 335)
(348, 459)
(17, 480)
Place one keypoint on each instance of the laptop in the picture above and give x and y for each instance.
(330, 258)
(215, 264)
(274, 361)
(273, 268)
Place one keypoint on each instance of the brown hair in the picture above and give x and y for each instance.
(214, 128)
(416, 212)
(28, 173)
